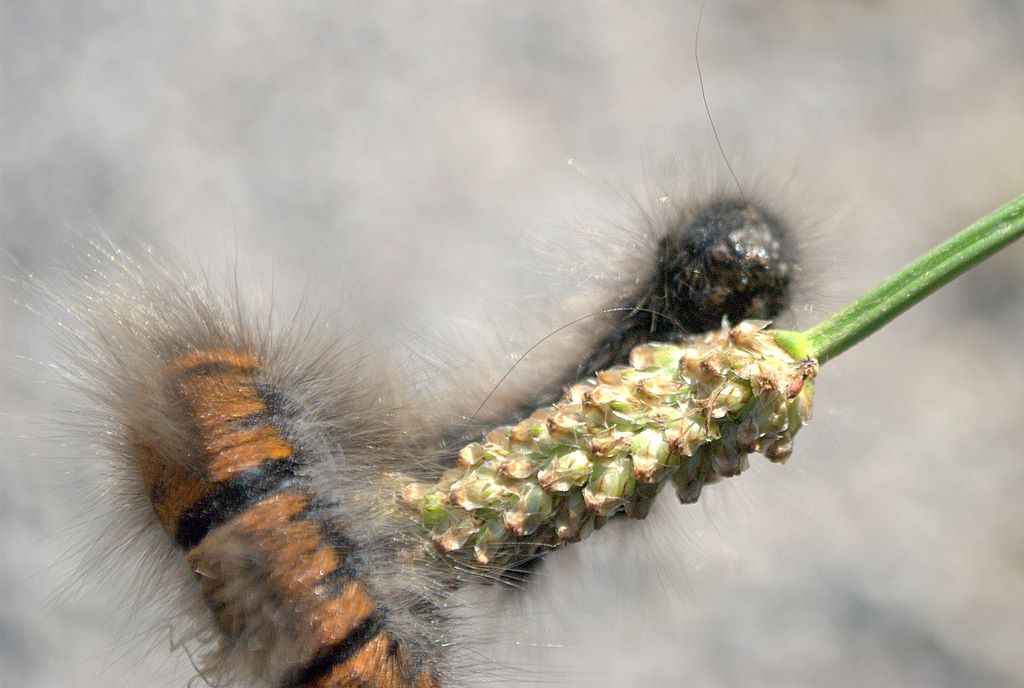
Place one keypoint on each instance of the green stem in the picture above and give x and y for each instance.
(864, 316)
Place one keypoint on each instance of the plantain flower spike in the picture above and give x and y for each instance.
(686, 413)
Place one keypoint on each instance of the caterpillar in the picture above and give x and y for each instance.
(872, 565)
(253, 455)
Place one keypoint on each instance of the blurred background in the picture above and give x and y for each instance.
(448, 173)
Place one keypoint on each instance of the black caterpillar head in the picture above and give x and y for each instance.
(732, 260)
(729, 259)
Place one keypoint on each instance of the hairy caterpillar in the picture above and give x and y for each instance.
(851, 571)
(267, 465)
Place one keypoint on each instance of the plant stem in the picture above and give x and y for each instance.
(865, 315)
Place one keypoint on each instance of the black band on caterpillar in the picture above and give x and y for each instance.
(340, 652)
(233, 498)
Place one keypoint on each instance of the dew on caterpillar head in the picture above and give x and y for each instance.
(379, 146)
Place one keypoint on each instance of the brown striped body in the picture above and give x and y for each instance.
(274, 571)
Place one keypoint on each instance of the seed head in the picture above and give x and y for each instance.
(688, 413)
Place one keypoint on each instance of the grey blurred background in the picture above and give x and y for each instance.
(410, 162)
